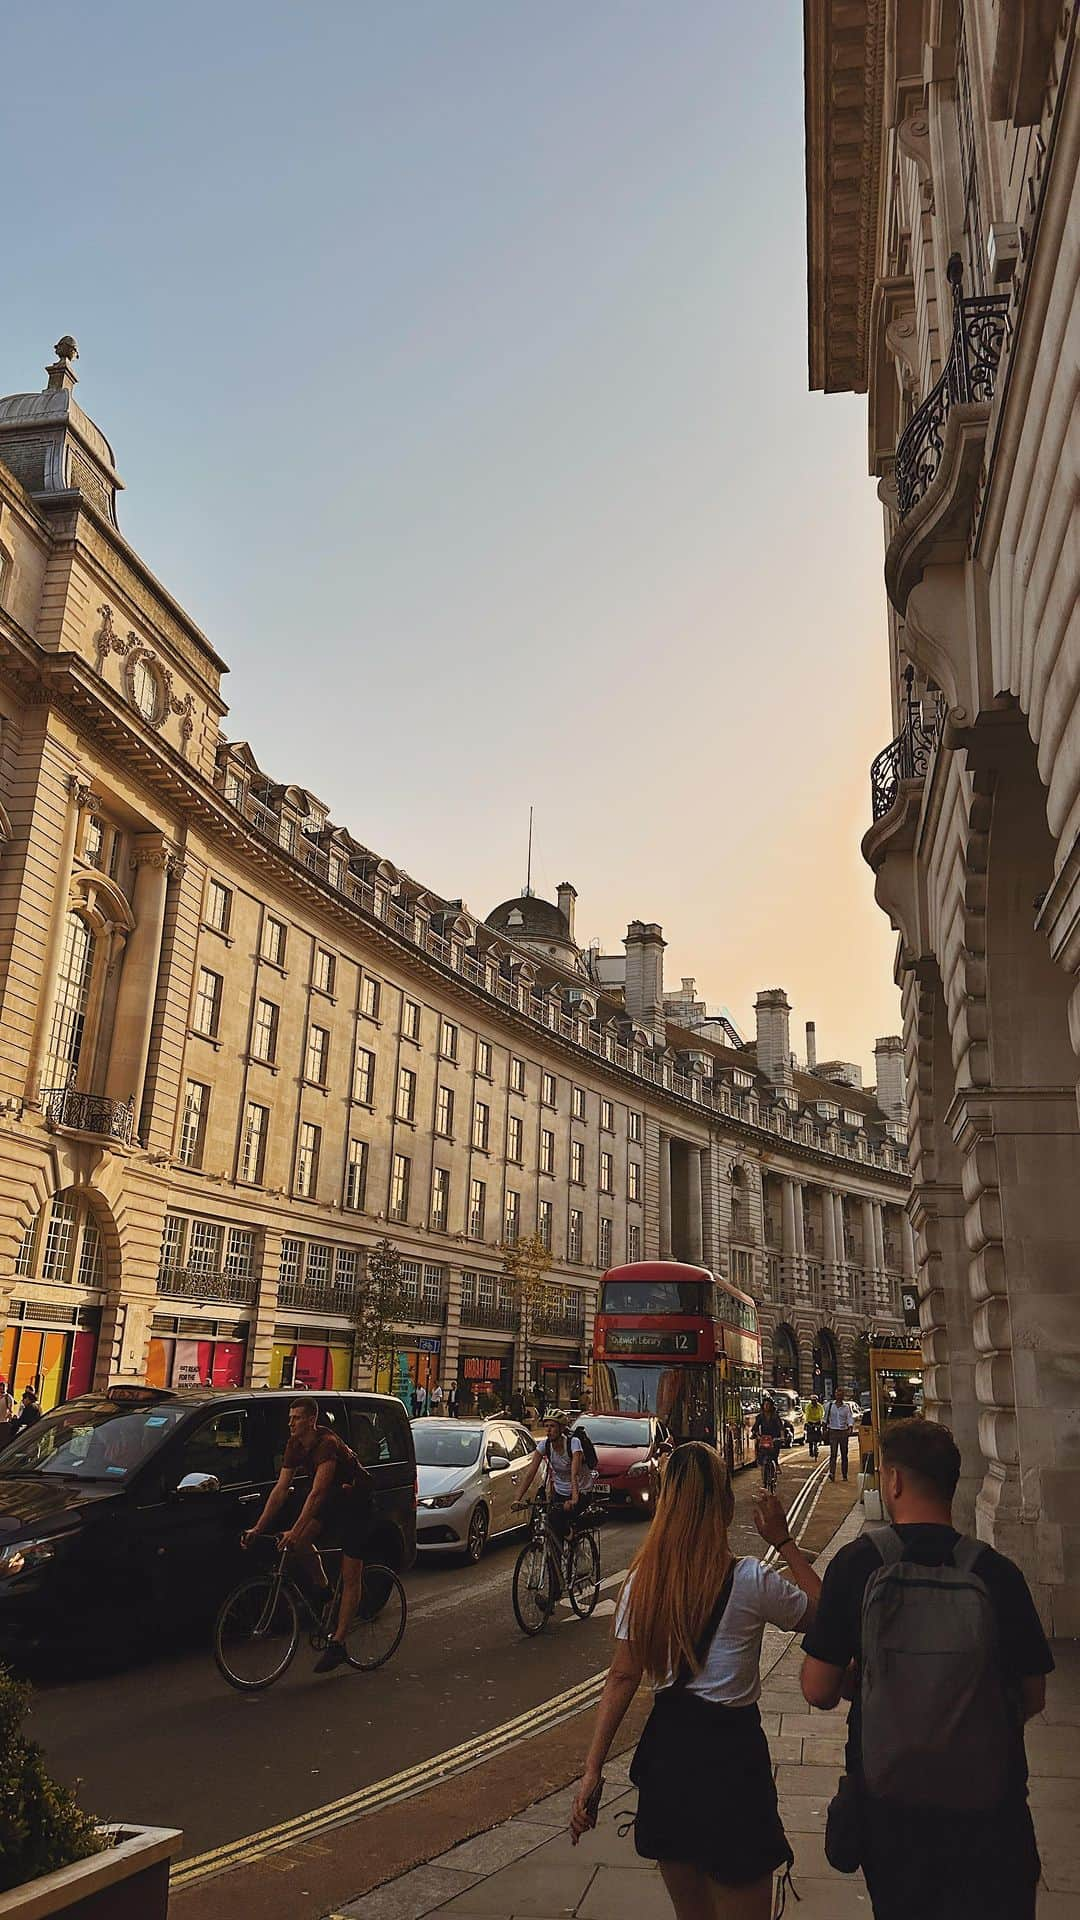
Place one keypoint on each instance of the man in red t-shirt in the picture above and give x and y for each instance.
(338, 1502)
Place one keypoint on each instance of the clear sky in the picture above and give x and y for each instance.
(454, 355)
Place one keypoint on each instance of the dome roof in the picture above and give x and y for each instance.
(527, 917)
(51, 445)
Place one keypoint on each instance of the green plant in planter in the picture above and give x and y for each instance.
(42, 1827)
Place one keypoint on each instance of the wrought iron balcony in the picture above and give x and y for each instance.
(905, 758)
(499, 1315)
(980, 325)
(318, 1296)
(560, 1321)
(191, 1283)
(69, 1108)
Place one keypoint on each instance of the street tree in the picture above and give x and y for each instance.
(526, 1264)
(382, 1305)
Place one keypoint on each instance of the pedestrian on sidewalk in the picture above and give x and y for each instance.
(7, 1414)
(690, 1619)
(838, 1427)
(936, 1772)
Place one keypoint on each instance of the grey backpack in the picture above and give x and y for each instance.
(937, 1729)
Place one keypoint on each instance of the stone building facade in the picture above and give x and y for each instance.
(943, 173)
(238, 1047)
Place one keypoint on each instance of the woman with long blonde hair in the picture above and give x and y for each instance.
(690, 1621)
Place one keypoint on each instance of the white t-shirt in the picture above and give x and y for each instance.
(839, 1417)
(759, 1597)
(561, 1469)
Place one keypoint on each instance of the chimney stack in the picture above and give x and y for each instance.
(811, 1045)
(566, 896)
(773, 1010)
(644, 989)
(891, 1086)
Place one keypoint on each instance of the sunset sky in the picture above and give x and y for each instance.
(454, 355)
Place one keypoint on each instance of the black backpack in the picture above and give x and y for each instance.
(587, 1448)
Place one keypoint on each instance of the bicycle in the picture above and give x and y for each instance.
(257, 1630)
(546, 1568)
(769, 1463)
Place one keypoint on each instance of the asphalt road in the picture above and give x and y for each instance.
(169, 1744)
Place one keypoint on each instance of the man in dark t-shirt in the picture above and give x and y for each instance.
(338, 1502)
(939, 1864)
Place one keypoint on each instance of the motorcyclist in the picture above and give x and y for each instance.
(768, 1432)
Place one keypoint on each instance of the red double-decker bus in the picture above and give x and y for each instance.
(678, 1342)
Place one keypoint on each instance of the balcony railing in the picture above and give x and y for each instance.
(980, 325)
(496, 1314)
(566, 1323)
(80, 1112)
(905, 758)
(191, 1283)
(318, 1296)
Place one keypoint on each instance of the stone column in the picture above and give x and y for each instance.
(665, 1196)
(153, 861)
(695, 1229)
(788, 1238)
(451, 1347)
(843, 1288)
(264, 1311)
(81, 796)
(869, 1231)
(907, 1246)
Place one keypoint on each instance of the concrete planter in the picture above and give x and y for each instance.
(128, 1882)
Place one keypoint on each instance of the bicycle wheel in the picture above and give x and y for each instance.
(379, 1622)
(256, 1633)
(583, 1586)
(533, 1587)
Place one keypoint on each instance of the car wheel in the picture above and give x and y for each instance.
(476, 1538)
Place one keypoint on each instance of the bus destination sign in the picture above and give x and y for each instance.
(682, 1340)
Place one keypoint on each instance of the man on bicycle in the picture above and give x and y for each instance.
(815, 1417)
(768, 1431)
(339, 1501)
(569, 1475)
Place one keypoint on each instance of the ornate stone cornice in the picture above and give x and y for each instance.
(845, 83)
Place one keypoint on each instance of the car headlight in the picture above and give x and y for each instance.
(438, 1500)
(640, 1466)
(24, 1558)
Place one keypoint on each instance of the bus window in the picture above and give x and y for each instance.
(684, 1398)
(657, 1296)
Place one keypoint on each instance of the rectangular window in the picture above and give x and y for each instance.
(410, 1020)
(204, 1248)
(207, 1011)
(513, 1217)
(481, 1126)
(94, 842)
(603, 1245)
(193, 1124)
(307, 1161)
(440, 1199)
(239, 1253)
(289, 1269)
(607, 1116)
(370, 997)
(514, 1132)
(356, 1175)
(483, 1059)
(253, 1145)
(90, 1274)
(545, 1216)
(325, 970)
(633, 1126)
(317, 1270)
(59, 1241)
(346, 1266)
(547, 1090)
(286, 833)
(448, 1040)
(633, 1244)
(172, 1242)
(234, 790)
(633, 1180)
(399, 1188)
(607, 1171)
(274, 936)
(547, 1150)
(406, 1094)
(218, 906)
(444, 1112)
(517, 1074)
(318, 1056)
(264, 1032)
(477, 1209)
(577, 1162)
(577, 1102)
(24, 1259)
(364, 1077)
(576, 1234)
(337, 871)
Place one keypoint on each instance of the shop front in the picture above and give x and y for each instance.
(484, 1380)
(196, 1353)
(311, 1358)
(51, 1348)
(561, 1377)
(417, 1363)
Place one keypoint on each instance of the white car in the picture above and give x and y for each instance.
(468, 1476)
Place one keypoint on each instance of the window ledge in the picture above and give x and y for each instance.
(325, 993)
(275, 965)
(316, 1086)
(256, 1060)
(210, 1039)
(221, 933)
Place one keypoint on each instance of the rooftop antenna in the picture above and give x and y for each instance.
(528, 869)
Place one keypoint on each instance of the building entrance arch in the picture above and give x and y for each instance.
(826, 1363)
(785, 1368)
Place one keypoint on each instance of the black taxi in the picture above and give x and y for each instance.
(121, 1512)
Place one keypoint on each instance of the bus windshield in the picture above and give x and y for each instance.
(657, 1296)
(683, 1397)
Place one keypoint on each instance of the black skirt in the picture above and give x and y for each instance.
(706, 1794)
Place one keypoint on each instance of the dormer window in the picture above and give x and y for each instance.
(744, 1081)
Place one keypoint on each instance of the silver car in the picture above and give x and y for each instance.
(468, 1475)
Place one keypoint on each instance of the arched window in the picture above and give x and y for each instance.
(62, 1243)
(785, 1358)
(72, 999)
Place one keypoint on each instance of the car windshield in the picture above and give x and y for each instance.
(617, 1433)
(446, 1446)
(91, 1440)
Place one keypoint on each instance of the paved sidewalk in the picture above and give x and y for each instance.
(527, 1866)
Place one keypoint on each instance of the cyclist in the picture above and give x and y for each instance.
(339, 1500)
(815, 1415)
(570, 1475)
(768, 1431)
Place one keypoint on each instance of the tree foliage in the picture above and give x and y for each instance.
(382, 1305)
(42, 1827)
(526, 1264)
